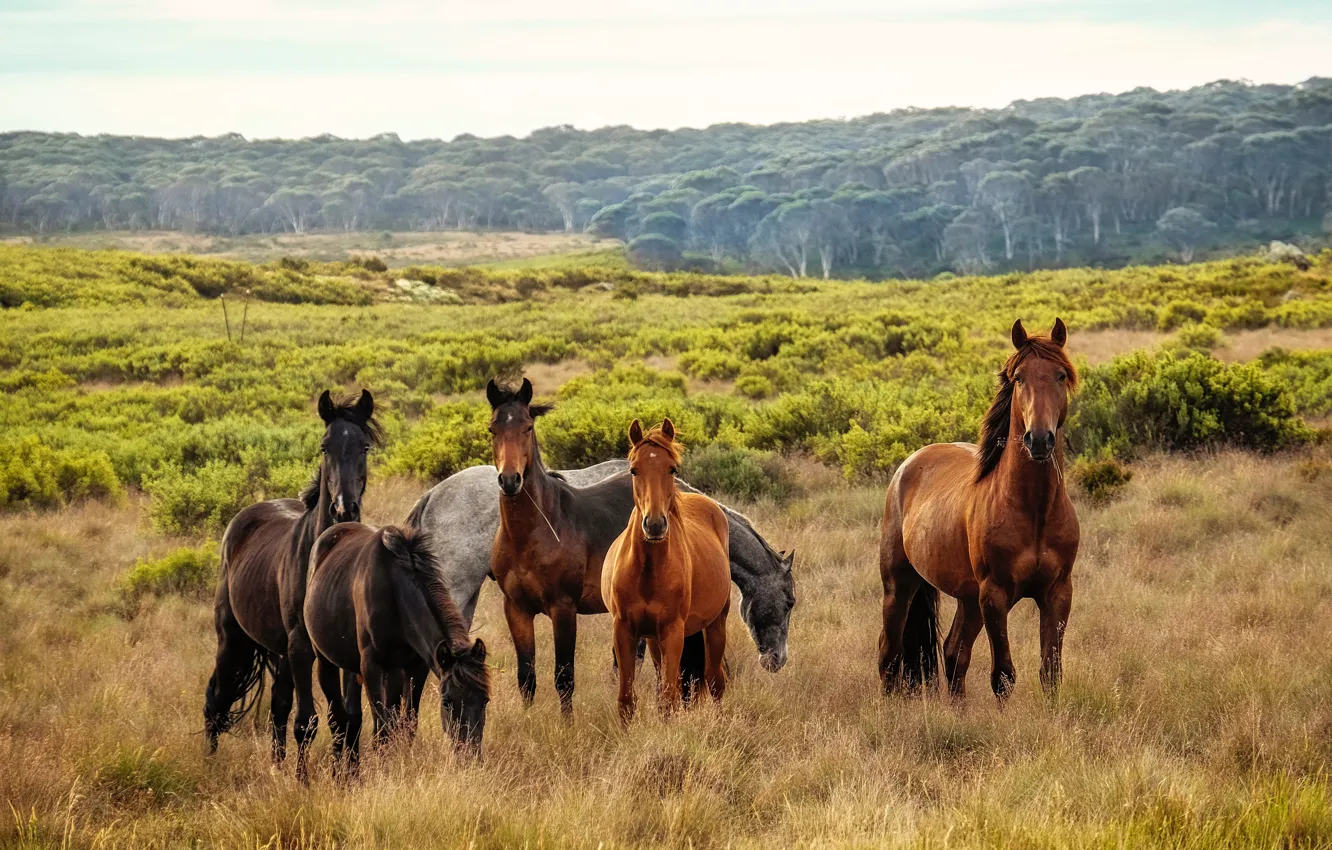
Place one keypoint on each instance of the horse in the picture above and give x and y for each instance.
(377, 608)
(667, 575)
(551, 541)
(265, 551)
(988, 525)
(464, 516)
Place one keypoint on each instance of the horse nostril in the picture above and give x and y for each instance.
(1026, 439)
(1050, 442)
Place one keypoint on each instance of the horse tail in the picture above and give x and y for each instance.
(418, 511)
(920, 639)
(238, 676)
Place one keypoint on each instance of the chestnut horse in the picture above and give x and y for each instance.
(668, 574)
(265, 554)
(377, 609)
(988, 525)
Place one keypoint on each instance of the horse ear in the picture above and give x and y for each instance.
(478, 650)
(493, 394)
(788, 560)
(1059, 333)
(444, 655)
(635, 433)
(1019, 334)
(525, 392)
(326, 409)
(365, 406)
(668, 428)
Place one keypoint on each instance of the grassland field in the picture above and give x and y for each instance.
(1197, 706)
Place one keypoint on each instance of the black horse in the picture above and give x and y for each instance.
(378, 612)
(261, 590)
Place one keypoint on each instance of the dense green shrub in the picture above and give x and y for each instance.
(450, 438)
(1101, 479)
(34, 475)
(188, 571)
(738, 472)
(1180, 401)
(205, 500)
(1178, 313)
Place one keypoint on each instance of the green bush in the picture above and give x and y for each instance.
(1101, 479)
(1178, 313)
(185, 572)
(34, 475)
(205, 500)
(451, 438)
(1182, 401)
(738, 472)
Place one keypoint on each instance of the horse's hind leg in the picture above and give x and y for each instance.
(995, 603)
(967, 624)
(693, 666)
(900, 584)
(238, 659)
(715, 637)
(1054, 605)
(523, 632)
(280, 707)
(330, 683)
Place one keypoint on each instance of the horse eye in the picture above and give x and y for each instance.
(1063, 377)
(323, 450)
(674, 471)
(633, 472)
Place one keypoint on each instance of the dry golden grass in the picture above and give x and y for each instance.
(448, 247)
(1196, 712)
(1236, 346)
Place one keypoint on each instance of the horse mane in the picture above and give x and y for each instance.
(748, 525)
(994, 428)
(412, 547)
(507, 393)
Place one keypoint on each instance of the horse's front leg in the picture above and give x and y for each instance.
(377, 685)
(523, 632)
(626, 644)
(280, 707)
(671, 639)
(1054, 605)
(967, 624)
(995, 602)
(412, 705)
(564, 623)
(330, 684)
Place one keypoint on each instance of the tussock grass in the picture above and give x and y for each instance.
(1196, 712)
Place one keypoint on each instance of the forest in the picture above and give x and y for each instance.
(1107, 180)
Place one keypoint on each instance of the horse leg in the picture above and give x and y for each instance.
(351, 704)
(395, 692)
(715, 637)
(693, 666)
(412, 704)
(280, 707)
(967, 624)
(1054, 605)
(376, 683)
(671, 641)
(899, 587)
(300, 659)
(626, 643)
(330, 684)
(564, 623)
(523, 632)
(237, 659)
(995, 602)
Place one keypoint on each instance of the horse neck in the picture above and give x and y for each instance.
(1036, 486)
(535, 505)
(312, 523)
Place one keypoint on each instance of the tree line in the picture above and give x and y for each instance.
(1100, 179)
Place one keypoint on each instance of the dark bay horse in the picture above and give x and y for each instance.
(261, 588)
(551, 541)
(377, 608)
(667, 575)
(988, 525)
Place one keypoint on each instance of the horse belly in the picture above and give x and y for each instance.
(935, 542)
(255, 603)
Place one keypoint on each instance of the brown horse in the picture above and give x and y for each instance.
(265, 553)
(377, 608)
(551, 540)
(668, 574)
(988, 525)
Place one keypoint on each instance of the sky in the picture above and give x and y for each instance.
(438, 68)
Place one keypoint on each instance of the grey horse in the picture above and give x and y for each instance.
(462, 514)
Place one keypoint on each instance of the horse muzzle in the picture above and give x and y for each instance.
(655, 529)
(511, 484)
(1039, 444)
(774, 660)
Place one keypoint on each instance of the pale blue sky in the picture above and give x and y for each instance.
(419, 68)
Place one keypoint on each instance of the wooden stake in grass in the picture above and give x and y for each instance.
(225, 317)
(244, 314)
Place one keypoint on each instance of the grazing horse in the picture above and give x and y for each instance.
(377, 608)
(265, 552)
(463, 515)
(988, 525)
(551, 541)
(667, 575)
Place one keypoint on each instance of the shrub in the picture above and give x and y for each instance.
(711, 365)
(205, 500)
(654, 251)
(738, 472)
(1182, 401)
(753, 386)
(34, 475)
(1101, 479)
(1178, 313)
(452, 437)
(185, 572)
